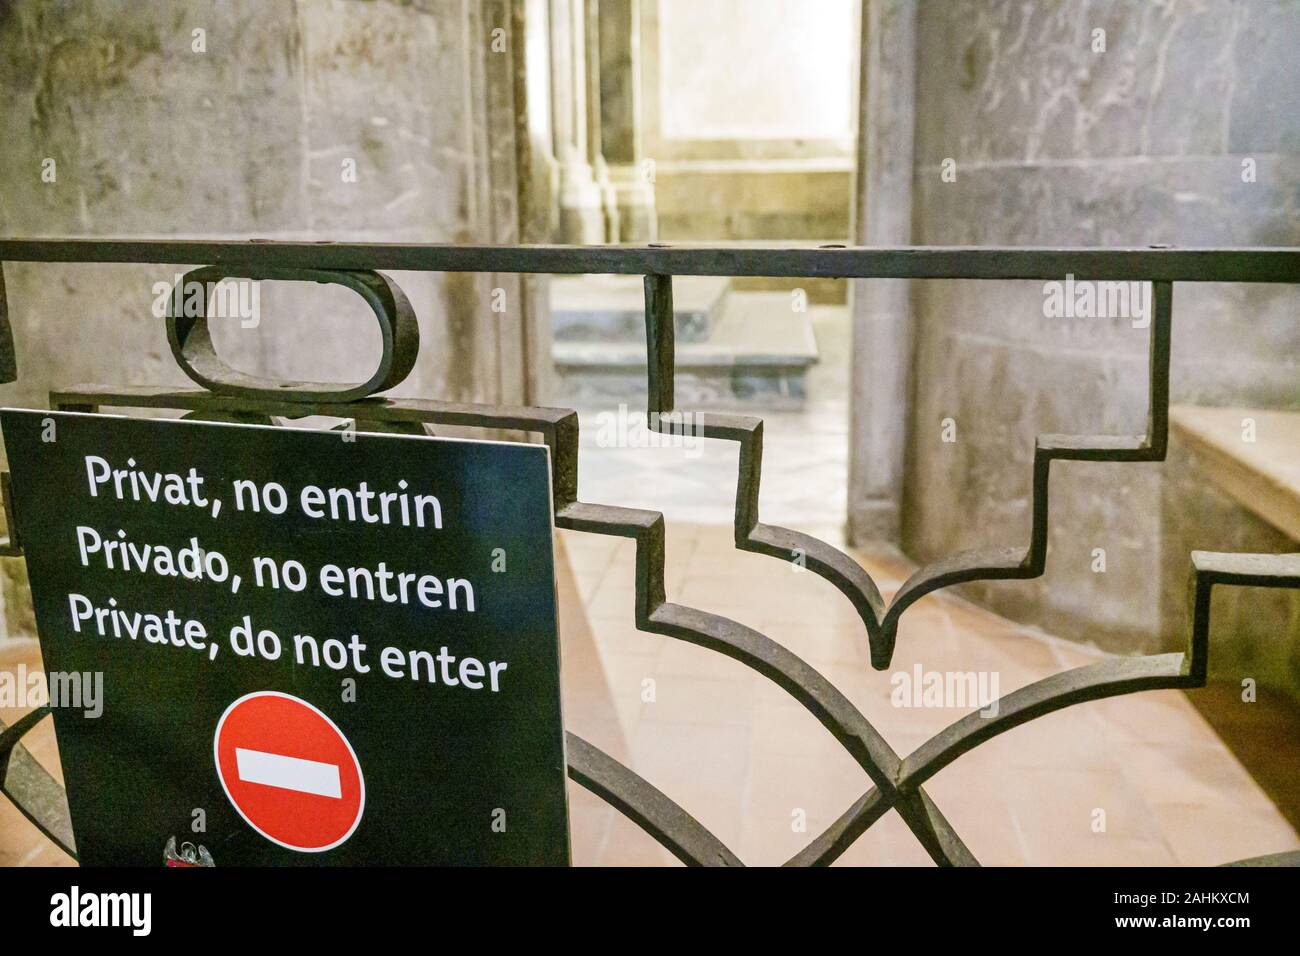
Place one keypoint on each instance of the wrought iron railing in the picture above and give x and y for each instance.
(897, 782)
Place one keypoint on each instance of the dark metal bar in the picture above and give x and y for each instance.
(1240, 570)
(1022, 563)
(646, 806)
(912, 262)
(1079, 685)
(844, 832)
(998, 563)
(1287, 858)
(191, 342)
(8, 358)
(660, 336)
(33, 791)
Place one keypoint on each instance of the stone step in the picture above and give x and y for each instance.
(759, 351)
(1251, 453)
(612, 308)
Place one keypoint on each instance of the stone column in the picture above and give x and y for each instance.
(882, 308)
(538, 177)
(595, 151)
(582, 215)
(621, 121)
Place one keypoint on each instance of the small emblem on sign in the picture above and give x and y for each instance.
(188, 855)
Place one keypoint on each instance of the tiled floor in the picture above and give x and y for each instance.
(765, 777)
(1137, 780)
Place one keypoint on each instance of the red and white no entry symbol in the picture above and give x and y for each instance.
(289, 771)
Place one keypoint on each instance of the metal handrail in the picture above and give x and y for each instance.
(897, 781)
(1150, 263)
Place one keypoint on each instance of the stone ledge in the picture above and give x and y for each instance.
(589, 309)
(758, 351)
(1264, 474)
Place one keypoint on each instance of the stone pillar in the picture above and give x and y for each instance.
(334, 118)
(619, 27)
(882, 308)
(595, 152)
(538, 206)
(1055, 140)
(582, 214)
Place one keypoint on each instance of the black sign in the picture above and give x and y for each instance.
(292, 646)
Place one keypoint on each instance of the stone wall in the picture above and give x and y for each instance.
(1058, 145)
(255, 135)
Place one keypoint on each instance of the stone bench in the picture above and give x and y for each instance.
(1252, 454)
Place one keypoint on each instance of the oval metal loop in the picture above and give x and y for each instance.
(192, 346)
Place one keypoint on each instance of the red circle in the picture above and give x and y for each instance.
(289, 771)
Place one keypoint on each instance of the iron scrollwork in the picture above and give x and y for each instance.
(897, 782)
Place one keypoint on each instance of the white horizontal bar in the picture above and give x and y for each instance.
(288, 773)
